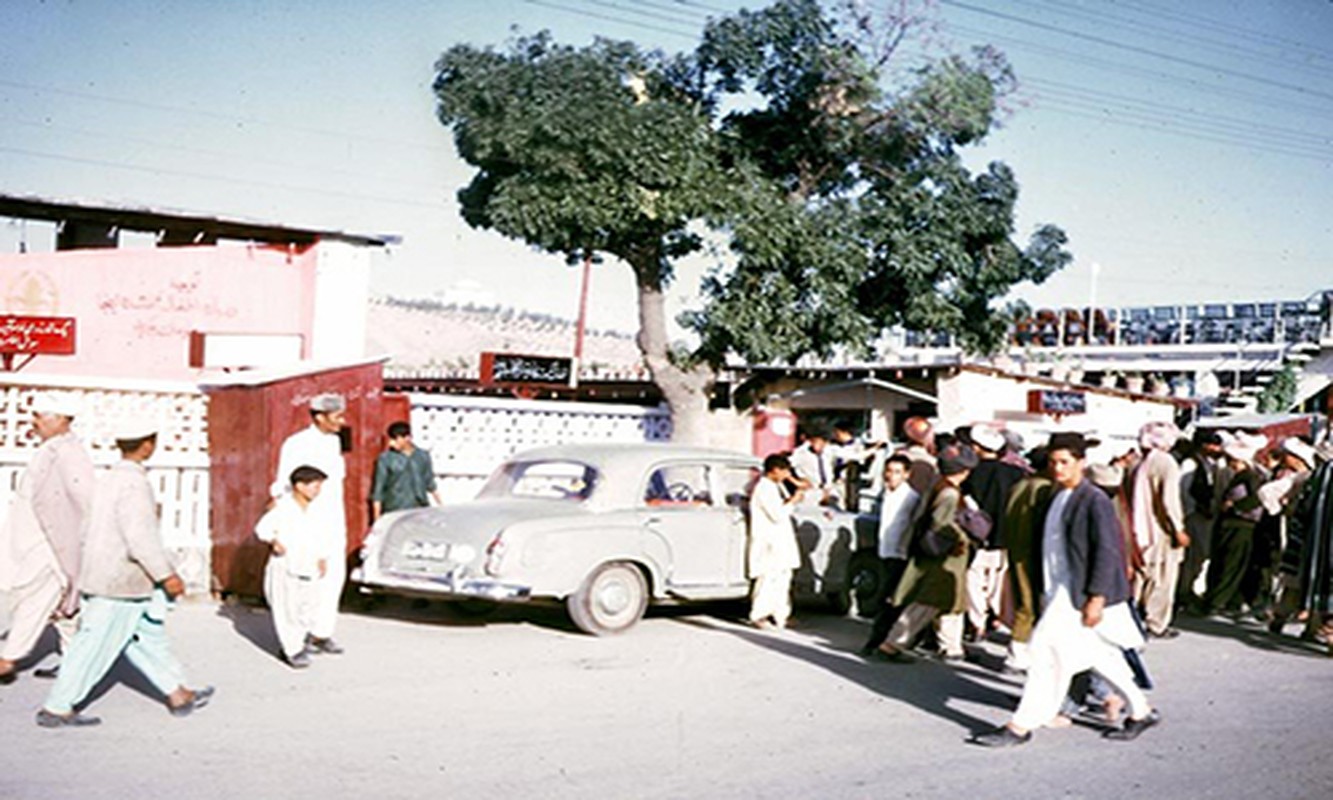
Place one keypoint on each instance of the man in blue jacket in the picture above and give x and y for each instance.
(1085, 620)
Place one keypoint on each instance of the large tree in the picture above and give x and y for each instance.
(839, 197)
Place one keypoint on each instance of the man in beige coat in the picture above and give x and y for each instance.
(40, 543)
(126, 579)
(1157, 518)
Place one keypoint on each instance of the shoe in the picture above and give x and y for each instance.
(895, 656)
(325, 646)
(9, 677)
(299, 661)
(198, 699)
(1134, 727)
(50, 719)
(1003, 736)
(47, 672)
(1169, 633)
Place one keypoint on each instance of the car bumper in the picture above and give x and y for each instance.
(447, 585)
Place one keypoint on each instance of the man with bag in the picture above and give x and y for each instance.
(933, 583)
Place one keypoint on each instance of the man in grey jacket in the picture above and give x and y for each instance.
(126, 579)
(41, 541)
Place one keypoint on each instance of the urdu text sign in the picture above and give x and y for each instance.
(22, 335)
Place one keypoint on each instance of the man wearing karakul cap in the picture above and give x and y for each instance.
(126, 579)
(319, 446)
(41, 542)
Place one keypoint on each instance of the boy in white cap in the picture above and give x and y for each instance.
(41, 542)
(319, 446)
(126, 579)
(298, 559)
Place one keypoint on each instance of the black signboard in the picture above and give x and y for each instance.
(1056, 401)
(523, 369)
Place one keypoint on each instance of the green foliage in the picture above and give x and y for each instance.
(843, 202)
(1280, 394)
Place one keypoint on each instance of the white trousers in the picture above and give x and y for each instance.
(30, 613)
(771, 597)
(329, 593)
(1062, 647)
(985, 586)
(110, 626)
(292, 601)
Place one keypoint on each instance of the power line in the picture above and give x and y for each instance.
(220, 178)
(1243, 33)
(249, 158)
(1136, 49)
(618, 20)
(134, 103)
(1192, 84)
(1140, 27)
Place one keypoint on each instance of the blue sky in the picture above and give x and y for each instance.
(1185, 146)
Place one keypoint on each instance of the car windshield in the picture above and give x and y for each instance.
(548, 480)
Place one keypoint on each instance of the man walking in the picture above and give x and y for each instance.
(320, 446)
(42, 541)
(989, 485)
(404, 475)
(1157, 518)
(126, 580)
(1086, 618)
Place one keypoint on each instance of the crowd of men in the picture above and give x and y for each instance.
(1075, 563)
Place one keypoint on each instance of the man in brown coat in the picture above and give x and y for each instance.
(42, 539)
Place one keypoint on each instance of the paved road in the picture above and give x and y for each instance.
(429, 704)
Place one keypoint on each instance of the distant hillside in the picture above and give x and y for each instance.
(426, 338)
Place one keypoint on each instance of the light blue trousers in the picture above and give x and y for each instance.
(110, 626)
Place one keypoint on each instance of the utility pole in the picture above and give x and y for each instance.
(581, 323)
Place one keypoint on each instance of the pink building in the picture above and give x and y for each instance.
(204, 292)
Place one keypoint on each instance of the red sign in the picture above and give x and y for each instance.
(37, 335)
(514, 368)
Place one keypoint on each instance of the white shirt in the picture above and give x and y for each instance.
(772, 537)
(295, 528)
(1056, 580)
(896, 511)
(312, 447)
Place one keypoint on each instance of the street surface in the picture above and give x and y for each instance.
(429, 703)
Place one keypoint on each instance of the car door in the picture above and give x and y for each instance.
(680, 508)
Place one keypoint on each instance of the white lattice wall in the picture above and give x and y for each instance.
(178, 470)
(468, 437)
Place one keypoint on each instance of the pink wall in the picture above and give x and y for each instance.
(135, 308)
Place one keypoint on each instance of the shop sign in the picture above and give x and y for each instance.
(1057, 402)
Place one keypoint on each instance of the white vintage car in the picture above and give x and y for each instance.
(604, 528)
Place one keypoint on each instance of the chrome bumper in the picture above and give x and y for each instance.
(447, 585)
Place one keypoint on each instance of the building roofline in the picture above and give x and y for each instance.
(143, 218)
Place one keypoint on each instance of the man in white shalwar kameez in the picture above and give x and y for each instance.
(42, 539)
(773, 552)
(319, 446)
(127, 581)
(1085, 620)
(297, 559)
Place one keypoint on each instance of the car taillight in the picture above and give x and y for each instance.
(495, 553)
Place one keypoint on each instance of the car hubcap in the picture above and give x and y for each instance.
(613, 597)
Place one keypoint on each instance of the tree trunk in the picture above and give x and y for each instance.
(685, 391)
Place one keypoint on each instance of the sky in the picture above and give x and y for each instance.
(1184, 145)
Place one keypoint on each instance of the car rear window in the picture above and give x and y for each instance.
(547, 480)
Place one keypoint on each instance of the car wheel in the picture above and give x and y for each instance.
(612, 599)
(868, 580)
